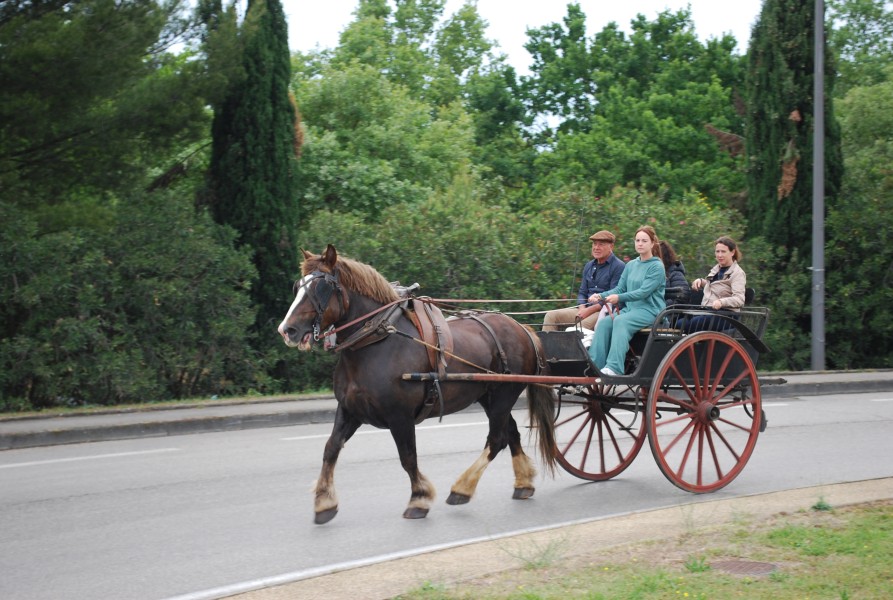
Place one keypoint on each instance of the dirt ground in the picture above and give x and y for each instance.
(501, 561)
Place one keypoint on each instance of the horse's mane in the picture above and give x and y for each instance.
(356, 276)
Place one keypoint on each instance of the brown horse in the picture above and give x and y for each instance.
(378, 344)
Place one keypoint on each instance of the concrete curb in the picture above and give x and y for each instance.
(115, 431)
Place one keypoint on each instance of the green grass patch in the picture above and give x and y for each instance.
(841, 554)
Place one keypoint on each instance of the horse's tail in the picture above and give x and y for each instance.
(541, 405)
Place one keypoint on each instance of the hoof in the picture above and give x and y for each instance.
(522, 493)
(458, 498)
(325, 516)
(415, 513)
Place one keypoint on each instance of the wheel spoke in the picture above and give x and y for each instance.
(725, 441)
(584, 412)
(687, 452)
(721, 371)
(587, 419)
(719, 474)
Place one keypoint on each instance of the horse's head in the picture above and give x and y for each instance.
(320, 301)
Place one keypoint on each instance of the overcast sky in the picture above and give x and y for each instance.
(318, 23)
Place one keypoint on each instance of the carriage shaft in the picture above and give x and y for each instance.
(500, 378)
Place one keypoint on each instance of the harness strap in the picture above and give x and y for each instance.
(373, 330)
(502, 357)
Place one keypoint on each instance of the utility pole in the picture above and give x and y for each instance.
(818, 192)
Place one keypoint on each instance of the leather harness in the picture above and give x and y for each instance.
(428, 320)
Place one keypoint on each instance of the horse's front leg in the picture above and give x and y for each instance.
(423, 492)
(326, 501)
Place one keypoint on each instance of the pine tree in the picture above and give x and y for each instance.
(253, 163)
(779, 130)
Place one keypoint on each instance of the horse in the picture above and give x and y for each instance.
(360, 315)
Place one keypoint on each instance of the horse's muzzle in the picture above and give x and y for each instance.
(293, 339)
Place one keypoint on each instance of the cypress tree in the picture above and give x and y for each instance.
(253, 162)
(779, 127)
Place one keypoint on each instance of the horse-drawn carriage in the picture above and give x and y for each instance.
(695, 397)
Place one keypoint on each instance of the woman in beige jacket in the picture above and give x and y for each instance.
(723, 287)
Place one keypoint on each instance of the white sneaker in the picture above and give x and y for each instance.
(607, 371)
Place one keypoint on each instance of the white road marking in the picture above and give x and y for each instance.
(882, 400)
(92, 457)
(772, 404)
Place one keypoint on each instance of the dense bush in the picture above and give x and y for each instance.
(154, 307)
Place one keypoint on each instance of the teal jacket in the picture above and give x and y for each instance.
(641, 286)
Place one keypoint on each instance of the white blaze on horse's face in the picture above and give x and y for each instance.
(299, 297)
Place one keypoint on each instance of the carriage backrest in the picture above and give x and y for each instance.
(698, 295)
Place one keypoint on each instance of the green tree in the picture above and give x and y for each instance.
(254, 162)
(93, 103)
(644, 110)
(572, 74)
(780, 122)
(860, 234)
(410, 46)
(370, 145)
(862, 40)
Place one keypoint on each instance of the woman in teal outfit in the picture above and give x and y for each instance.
(641, 291)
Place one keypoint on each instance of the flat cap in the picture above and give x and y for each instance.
(603, 236)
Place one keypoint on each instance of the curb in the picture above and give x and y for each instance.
(78, 435)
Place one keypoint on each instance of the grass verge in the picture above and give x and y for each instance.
(817, 553)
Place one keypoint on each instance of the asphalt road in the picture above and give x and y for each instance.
(208, 515)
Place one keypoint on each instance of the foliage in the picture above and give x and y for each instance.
(370, 145)
(780, 121)
(409, 46)
(91, 100)
(637, 110)
(862, 41)
(453, 245)
(254, 162)
(572, 74)
(860, 284)
(108, 324)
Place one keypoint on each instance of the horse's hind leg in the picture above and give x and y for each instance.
(326, 501)
(464, 488)
(503, 432)
(522, 465)
(423, 492)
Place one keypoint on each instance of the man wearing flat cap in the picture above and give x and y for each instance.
(600, 274)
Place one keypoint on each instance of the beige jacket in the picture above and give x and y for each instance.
(729, 290)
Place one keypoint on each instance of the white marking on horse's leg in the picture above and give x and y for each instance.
(468, 481)
(325, 497)
(302, 290)
(525, 471)
(423, 494)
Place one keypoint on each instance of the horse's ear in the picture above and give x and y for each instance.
(330, 256)
(306, 254)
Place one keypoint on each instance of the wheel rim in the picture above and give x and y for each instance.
(700, 414)
(599, 431)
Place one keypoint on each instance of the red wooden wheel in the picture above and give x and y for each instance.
(703, 413)
(599, 431)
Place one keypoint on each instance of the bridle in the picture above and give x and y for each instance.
(328, 284)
